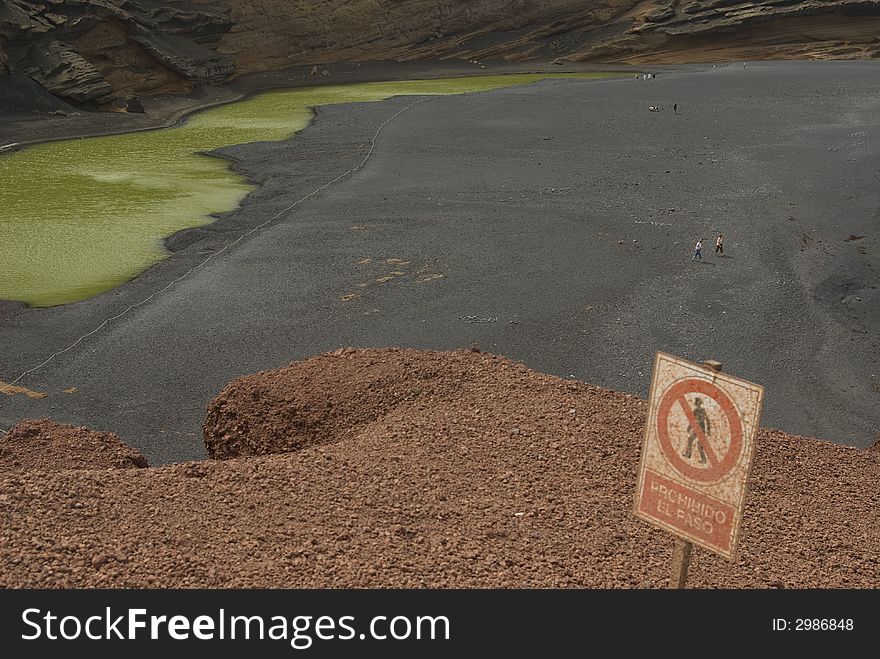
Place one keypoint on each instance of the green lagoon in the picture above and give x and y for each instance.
(79, 217)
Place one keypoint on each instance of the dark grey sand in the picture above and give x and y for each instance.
(551, 223)
(30, 114)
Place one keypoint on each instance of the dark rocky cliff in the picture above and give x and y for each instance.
(97, 52)
(100, 52)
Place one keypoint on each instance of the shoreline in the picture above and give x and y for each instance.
(167, 111)
(301, 110)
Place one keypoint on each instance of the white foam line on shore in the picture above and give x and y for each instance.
(232, 244)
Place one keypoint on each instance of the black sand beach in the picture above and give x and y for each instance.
(29, 114)
(551, 223)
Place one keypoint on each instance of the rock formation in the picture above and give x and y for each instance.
(95, 51)
(269, 34)
(91, 51)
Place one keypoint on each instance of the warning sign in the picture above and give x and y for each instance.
(697, 453)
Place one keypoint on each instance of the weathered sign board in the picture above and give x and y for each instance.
(697, 453)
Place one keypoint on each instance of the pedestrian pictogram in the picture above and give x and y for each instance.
(696, 457)
(700, 420)
(699, 430)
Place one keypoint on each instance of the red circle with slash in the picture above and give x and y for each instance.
(720, 466)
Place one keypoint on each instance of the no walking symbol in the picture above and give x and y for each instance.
(697, 453)
(706, 416)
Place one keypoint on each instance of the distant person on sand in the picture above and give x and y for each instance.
(675, 108)
(719, 244)
(698, 250)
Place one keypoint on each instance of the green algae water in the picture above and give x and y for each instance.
(79, 217)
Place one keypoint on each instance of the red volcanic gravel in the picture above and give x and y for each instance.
(48, 446)
(327, 398)
(427, 469)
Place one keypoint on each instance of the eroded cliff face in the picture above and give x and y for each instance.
(101, 52)
(271, 34)
(96, 51)
(327, 31)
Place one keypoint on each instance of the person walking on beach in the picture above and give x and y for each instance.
(719, 244)
(698, 250)
(675, 108)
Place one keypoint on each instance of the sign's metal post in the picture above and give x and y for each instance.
(681, 552)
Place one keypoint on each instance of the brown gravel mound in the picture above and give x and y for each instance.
(48, 446)
(518, 480)
(327, 398)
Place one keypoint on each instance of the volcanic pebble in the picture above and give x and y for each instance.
(427, 470)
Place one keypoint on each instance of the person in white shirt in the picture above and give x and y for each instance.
(698, 250)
